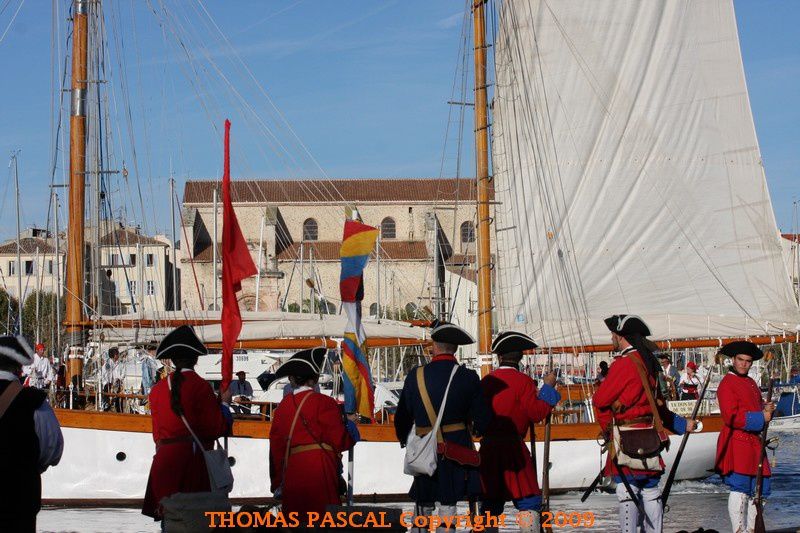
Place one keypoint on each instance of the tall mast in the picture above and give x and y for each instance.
(20, 299)
(77, 175)
(485, 186)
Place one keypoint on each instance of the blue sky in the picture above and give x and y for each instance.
(364, 85)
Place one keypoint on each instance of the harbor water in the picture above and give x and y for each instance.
(693, 504)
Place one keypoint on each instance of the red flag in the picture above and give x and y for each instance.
(236, 266)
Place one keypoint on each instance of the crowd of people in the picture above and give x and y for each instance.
(310, 431)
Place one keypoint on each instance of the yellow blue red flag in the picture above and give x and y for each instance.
(357, 243)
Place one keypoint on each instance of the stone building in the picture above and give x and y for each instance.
(294, 231)
(38, 262)
(134, 270)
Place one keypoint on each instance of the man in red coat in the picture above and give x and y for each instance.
(622, 400)
(507, 469)
(308, 434)
(183, 399)
(739, 451)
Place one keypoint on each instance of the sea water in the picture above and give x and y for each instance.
(693, 504)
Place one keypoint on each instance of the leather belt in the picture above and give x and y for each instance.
(446, 428)
(308, 447)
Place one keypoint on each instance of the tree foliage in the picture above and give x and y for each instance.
(8, 312)
(46, 322)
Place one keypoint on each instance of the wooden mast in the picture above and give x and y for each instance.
(485, 186)
(73, 320)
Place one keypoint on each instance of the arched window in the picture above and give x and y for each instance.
(388, 228)
(310, 230)
(467, 232)
(373, 309)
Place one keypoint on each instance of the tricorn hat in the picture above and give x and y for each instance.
(663, 355)
(181, 341)
(627, 325)
(448, 333)
(303, 363)
(16, 348)
(732, 349)
(512, 341)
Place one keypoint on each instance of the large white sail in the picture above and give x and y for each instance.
(628, 174)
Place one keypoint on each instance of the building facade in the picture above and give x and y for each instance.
(40, 267)
(294, 231)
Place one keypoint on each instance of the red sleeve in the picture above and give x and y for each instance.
(207, 421)
(609, 391)
(278, 434)
(730, 410)
(333, 429)
(535, 409)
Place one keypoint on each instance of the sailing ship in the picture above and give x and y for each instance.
(626, 179)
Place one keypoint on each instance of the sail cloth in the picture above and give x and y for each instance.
(628, 177)
(236, 266)
(357, 243)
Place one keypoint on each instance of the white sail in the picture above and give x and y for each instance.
(628, 174)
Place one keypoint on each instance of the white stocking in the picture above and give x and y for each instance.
(737, 510)
(628, 513)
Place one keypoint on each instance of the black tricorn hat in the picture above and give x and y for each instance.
(663, 355)
(732, 349)
(16, 348)
(512, 341)
(180, 341)
(627, 325)
(304, 363)
(450, 334)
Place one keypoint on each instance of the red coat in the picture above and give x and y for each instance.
(738, 449)
(507, 470)
(311, 477)
(178, 466)
(624, 385)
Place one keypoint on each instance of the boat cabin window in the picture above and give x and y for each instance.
(388, 228)
(310, 230)
(467, 232)
(149, 260)
(28, 268)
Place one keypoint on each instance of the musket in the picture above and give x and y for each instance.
(758, 499)
(588, 492)
(546, 465)
(674, 469)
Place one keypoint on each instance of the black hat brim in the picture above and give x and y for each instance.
(512, 341)
(451, 334)
(627, 325)
(181, 342)
(305, 363)
(732, 349)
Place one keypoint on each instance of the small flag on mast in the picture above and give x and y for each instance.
(236, 266)
(357, 243)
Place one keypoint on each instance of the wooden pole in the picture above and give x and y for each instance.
(484, 185)
(77, 174)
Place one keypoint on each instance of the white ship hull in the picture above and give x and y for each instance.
(785, 423)
(92, 467)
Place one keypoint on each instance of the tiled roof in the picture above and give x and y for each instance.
(27, 246)
(794, 237)
(126, 237)
(338, 190)
(329, 251)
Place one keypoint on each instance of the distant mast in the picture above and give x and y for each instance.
(484, 186)
(73, 320)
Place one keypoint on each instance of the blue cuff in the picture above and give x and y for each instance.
(352, 429)
(754, 421)
(549, 395)
(678, 425)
